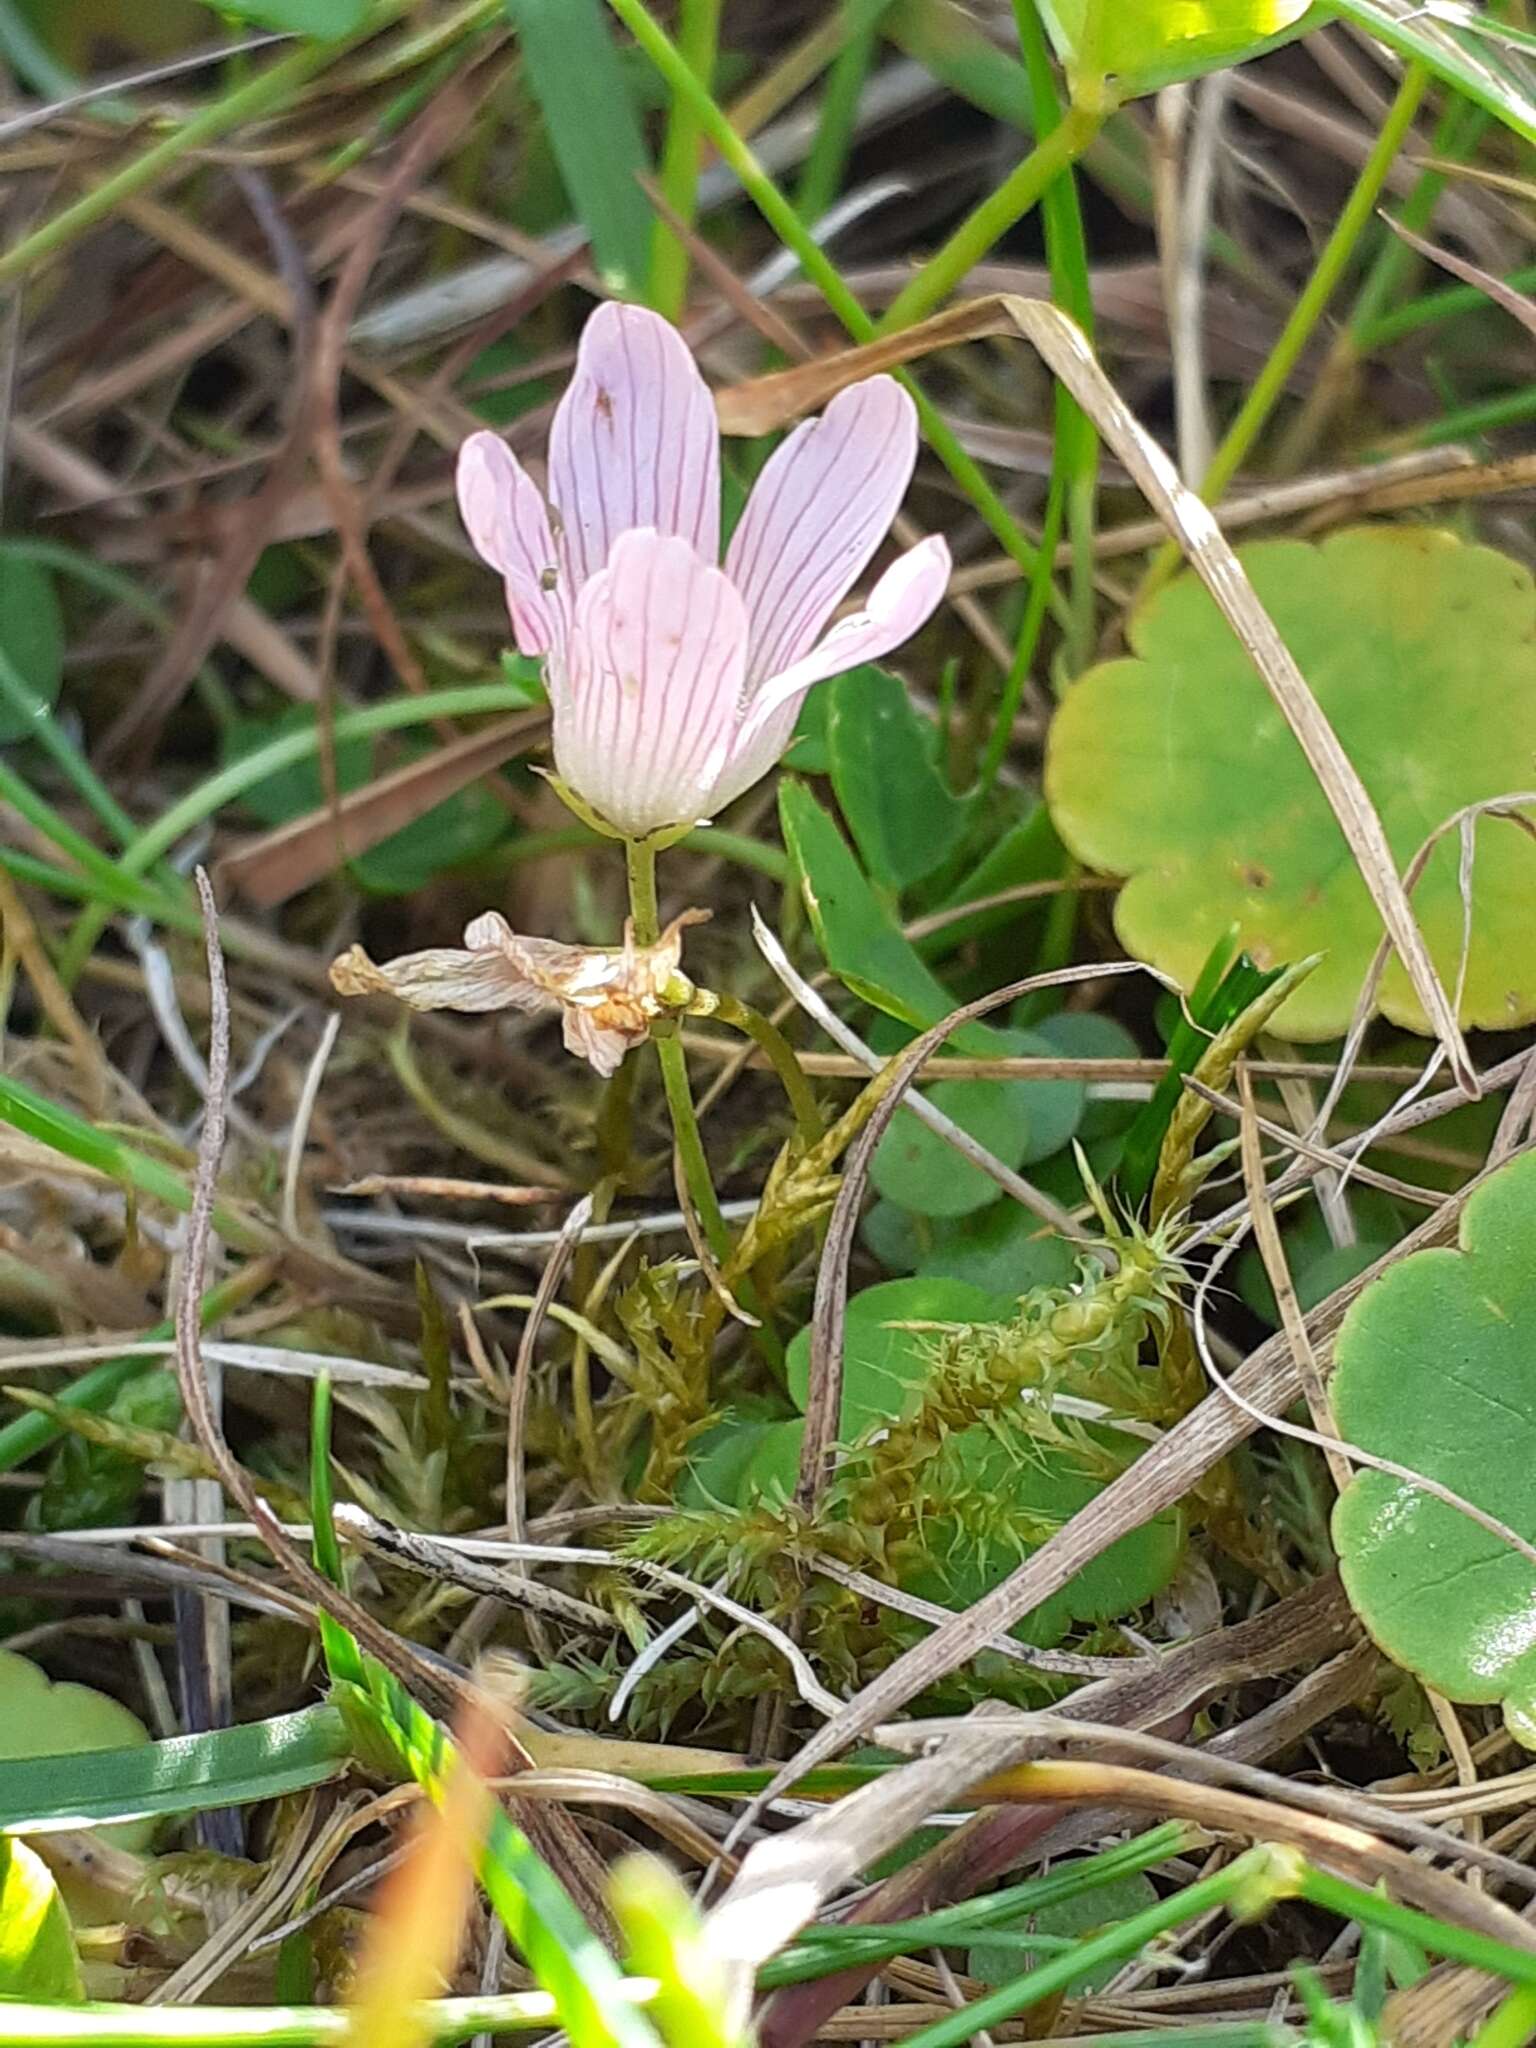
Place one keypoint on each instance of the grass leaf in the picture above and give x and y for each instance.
(574, 71)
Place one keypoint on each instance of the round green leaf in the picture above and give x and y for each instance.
(1177, 770)
(31, 640)
(1435, 1368)
(774, 1466)
(37, 1944)
(718, 1458)
(1017, 1121)
(881, 1364)
(39, 1718)
(966, 1559)
(1003, 1250)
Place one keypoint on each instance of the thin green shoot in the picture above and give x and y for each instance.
(698, 34)
(1327, 273)
(822, 178)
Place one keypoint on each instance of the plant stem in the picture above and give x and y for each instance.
(41, 725)
(698, 32)
(987, 223)
(1056, 1975)
(822, 272)
(1512, 2025)
(1439, 1937)
(824, 167)
(1076, 462)
(1270, 384)
(766, 1035)
(1455, 137)
(640, 861)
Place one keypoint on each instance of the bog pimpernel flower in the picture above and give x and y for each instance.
(607, 999)
(675, 683)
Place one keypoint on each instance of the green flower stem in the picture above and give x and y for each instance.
(1059, 1973)
(985, 225)
(121, 891)
(106, 875)
(1439, 1937)
(640, 861)
(1270, 384)
(698, 36)
(41, 725)
(268, 89)
(1076, 464)
(1512, 2024)
(822, 178)
(822, 272)
(1456, 136)
(769, 1040)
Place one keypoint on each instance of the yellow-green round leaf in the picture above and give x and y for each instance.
(39, 1718)
(1176, 769)
(37, 1944)
(1435, 1368)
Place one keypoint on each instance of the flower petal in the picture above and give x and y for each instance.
(658, 656)
(634, 441)
(823, 504)
(901, 603)
(443, 978)
(504, 516)
(601, 1047)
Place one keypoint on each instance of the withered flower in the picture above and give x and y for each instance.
(607, 1000)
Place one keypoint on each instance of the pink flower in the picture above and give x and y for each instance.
(676, 684)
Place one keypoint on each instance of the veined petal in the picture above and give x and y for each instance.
(658, 655)
(504, 516)
(823, 504)
(634, 442)
(478, 979)
(901, 603)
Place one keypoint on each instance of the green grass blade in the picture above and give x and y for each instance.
(189, 1773)
(538, 1913)
(343, 1658)
(1469, 64)
(589, 114)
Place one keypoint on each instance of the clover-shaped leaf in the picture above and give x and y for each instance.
(38, 1959)
(41, 1719)
(1145, 44)
(1435, 1368)
(1176, 769)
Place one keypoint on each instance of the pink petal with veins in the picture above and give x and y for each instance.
(634, 442)
(658, 657)
(823, 504)
(901, 603)
(504, 516)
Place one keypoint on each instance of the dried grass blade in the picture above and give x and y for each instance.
(278, 864)
(769, 402)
